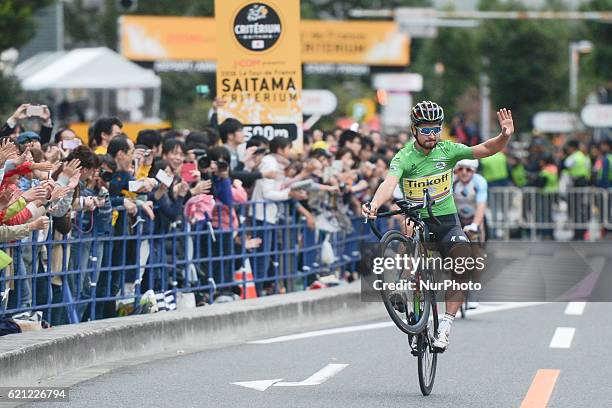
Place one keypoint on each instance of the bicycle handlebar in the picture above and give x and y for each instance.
(407, 209)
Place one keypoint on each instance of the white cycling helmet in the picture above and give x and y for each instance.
(470, 164)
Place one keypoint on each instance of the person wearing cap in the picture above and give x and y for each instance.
(29, 139)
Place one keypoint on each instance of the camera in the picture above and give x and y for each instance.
(222, 166)
(103, 193)
(106, 175)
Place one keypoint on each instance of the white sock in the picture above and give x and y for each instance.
(446, 323)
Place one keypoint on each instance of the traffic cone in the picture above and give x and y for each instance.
(251, 291)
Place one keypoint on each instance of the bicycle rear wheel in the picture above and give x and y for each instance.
(427, 358)
(408, 308)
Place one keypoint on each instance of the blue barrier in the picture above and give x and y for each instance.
(86, 275)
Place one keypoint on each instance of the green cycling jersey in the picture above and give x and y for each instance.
(417, 171)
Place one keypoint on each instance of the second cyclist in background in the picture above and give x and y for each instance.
(470, 193)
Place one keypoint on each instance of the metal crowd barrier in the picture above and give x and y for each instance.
(531, 213)
(86, 275)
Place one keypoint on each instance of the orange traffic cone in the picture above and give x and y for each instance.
(251, 291)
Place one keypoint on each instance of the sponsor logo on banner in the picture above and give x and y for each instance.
(257, 27)
(439, 186)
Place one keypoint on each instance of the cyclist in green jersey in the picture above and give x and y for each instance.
(428, 163)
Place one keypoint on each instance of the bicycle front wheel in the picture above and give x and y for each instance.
(427, 358)
(408, 306)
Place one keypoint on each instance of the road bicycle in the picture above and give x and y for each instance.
(412, 308)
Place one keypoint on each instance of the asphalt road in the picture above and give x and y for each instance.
(492, 362)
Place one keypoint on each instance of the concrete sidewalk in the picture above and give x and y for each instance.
(31, 358)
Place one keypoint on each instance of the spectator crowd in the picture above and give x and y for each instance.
(93, 225)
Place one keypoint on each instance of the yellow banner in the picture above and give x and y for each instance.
(354, 42)
(131, 129)
(259, 74)
(154, 38)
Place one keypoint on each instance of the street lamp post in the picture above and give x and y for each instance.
(575, 49)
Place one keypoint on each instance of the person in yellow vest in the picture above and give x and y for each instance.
(577, 164)
(518, 173)
(548, 182)
(495, 170)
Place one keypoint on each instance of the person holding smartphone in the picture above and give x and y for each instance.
(26, 111)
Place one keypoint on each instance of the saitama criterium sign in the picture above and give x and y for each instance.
(259, 73)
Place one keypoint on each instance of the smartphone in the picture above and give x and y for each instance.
(34, 110)
(186, 175)
(164, 178)
(135, 185)
(70, 144)
(337, 165)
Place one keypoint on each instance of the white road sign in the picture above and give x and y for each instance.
(406, 82)
(318, 102)
(555, 122)
(597, 116)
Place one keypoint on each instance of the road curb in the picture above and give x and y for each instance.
(32, 357)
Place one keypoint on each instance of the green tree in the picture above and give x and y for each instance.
(450, 65)
(527, 63)
(16, 21)
(597, 65)
(16, 28)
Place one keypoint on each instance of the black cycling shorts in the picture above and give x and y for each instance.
(448, 234)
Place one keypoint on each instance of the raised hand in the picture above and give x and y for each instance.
(181, 189)
(504, 116)
(59, 192)
(20, 113)
(36, 193)
(74, 180)
(8, 151)
(22, 158)
(46, 116)
(43, 166)
(71, 168)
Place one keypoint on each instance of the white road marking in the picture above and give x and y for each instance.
(563, 337)
(575, 308)
(327, 332)
(317, 378)
(483, 309)
(261, 385)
